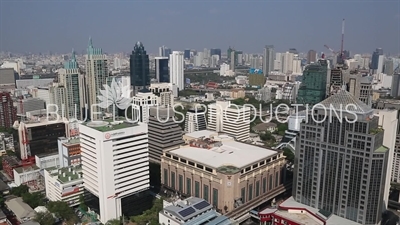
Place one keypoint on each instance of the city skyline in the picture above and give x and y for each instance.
(178, 22)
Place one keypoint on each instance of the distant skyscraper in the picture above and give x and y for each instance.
(233, 60)
(229, 53)
(176, 70)
(164, 51)
(311, 56)
(216, 51)
(8, 113)
(72, 80)
(139, 67)
(340, 165)
(375, 58)
(96, 77)
(162, 72)
(268, 59)
(187, 54)
(287, 62)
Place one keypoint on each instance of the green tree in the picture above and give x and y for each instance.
(114, 222)
(44, 218)
(82, 204)
(33, 200)
(63, 211)
(20, 190)
(289, 154)
(149, 216)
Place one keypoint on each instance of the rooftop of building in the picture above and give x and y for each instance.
(191, 208)
(228, 156)
(344, 101)
(311, 218)
(42, 121)
(72, 141)
(25, 169)
(110, 125)
(66, 174)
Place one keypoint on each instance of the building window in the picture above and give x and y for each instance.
(205, 193)
(173, 180)
(215, 197)
(196, 189)
(250, 192)
(270, 182)
(166, 177)
(188, 186)
(257, 188)
(276, 179)
(180, 185)
(264, 185)
(243, 195)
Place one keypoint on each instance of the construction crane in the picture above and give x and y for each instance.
(330, 49)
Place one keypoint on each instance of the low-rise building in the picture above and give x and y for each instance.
(221, 170)
(64, 184)
(291, 212)
(264, 127)
(69, 151)
(22, 211)
(191, 211)
(44, 161)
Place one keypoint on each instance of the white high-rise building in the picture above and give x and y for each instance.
(176, 75)
(297, 66)
(231, 119)
(388, 120)
(115, 163)
(144, 100)
(223, 69)
(117, 63)
(287, 62)
(381, 61)
(214, 61)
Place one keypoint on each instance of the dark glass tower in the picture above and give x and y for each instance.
(139, 67)
(162, 71)
(187, 54)
(313, 87)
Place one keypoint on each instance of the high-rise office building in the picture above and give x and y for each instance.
(176, 70)
(233, 60)
(311, 56)
(164, 51)
(162, 71)
(115, 164)
(313, 87)
(375, 58)
(96, 78)
(232, 120)
(186, 54)
(268, 59)
(287, 62)
(215, 51)
(341, 164)
(164, 132)
(8, 113)
(195, 120)
(139, 68)
(72, 80)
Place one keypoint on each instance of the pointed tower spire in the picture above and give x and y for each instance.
(73, 55)
(90, 42)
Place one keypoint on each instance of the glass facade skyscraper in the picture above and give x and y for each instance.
(162, 71)
(313, 86)
(139, 67)
(341, 165)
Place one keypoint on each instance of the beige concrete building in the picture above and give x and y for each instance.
(222, 171)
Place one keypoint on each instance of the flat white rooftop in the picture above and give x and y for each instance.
(231, 153)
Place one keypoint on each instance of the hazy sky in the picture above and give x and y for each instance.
(60, 25)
